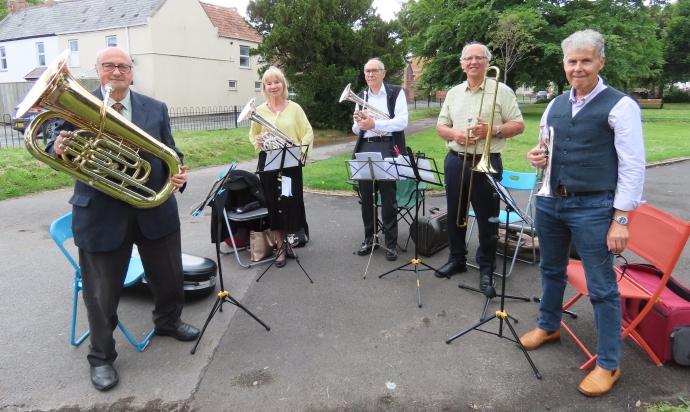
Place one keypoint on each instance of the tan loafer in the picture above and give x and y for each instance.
(534, 339)
(599, 381)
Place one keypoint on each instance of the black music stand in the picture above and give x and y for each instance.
(216, 199)
(373, 168)
(490, 293)
(410, 167)
(278, 160)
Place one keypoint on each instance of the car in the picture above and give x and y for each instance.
(20, 123)
(542, 95)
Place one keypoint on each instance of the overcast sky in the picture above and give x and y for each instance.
(386, 8)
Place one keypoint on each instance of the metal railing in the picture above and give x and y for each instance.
(206, 118)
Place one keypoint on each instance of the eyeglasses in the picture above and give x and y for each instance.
(475, 58)
(372, 71)
(109, 67)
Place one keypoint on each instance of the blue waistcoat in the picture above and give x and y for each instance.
(584, 156)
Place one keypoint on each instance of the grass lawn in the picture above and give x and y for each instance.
(665, 134)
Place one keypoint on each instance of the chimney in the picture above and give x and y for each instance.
(14, 6)
(49, 3)
(233, 9)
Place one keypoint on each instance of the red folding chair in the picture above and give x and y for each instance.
(656, 237)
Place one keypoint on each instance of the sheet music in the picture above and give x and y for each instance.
(274, 157)
(423, 165)
(286, 186)
(216, 189)
(507, 198)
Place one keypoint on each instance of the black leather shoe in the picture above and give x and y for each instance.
(484, 282)
(391, 255)
(185, 332)
(450, 269)
(281, 263)
(365, 249)
(104, 377)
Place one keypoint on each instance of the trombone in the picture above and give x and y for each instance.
(484, 165)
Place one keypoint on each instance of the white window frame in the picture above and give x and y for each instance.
(257, 85)
(232, 84)
(40, 53)
(3, 59)
(74, 54)
(245, 58)
(107, 41)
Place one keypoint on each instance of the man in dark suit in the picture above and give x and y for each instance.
(381, 136)
(105, 229)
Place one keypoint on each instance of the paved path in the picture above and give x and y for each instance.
(341, 343)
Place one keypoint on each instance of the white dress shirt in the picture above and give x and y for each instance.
(380, 101)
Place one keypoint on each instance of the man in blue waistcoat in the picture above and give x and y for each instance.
(597, 169)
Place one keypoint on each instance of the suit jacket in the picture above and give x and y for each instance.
(99, 220)
(392, 92)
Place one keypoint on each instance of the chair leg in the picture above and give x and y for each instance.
(72, 341)
(140, 346)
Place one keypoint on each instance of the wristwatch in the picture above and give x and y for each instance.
(498, 132)
(622, 220)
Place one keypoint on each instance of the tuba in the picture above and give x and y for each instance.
(274, 138)
(373, 111)
(546, 143)
(105, 147)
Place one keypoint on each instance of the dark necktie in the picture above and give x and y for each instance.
(118, 107)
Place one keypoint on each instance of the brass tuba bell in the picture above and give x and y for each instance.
(104, 152)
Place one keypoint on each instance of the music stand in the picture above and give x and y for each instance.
(216, 198)
(371, 166)
(502, 315)
(278, 160)
(421, 170)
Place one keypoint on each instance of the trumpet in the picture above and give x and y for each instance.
(371, 110)
(484, 165)
(546, 143)
(273, 139)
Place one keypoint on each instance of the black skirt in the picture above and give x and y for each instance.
(284, 212)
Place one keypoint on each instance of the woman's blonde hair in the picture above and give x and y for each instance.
(278, 74)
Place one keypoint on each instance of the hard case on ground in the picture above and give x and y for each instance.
(431, 232)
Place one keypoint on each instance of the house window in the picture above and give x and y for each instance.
(244, 56)
(74, 53)
(257, 86)
(41, 51)
(232, 84)
(111, 41)
(3, 59)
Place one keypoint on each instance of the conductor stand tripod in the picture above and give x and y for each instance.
(421, 170)
(275, 163)
(216, 199)
(490, 291)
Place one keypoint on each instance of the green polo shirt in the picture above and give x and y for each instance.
(462, 104)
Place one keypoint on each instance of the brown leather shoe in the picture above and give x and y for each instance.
(599, 381)
(534, 339)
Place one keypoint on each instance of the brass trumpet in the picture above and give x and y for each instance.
(371, 110)
(546, 143)
(484, 165)
(105, 149)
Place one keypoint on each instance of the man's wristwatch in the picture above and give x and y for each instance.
(622, 220)
(498, 132)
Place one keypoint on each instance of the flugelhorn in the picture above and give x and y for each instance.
(106, 149)
(371, 110)
(546, 143)
(275, 138)
(484, 165)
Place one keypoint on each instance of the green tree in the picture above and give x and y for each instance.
(677, 43)
(322, 45)
(513, 37)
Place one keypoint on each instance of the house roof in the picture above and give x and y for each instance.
(35, 73)
(230, 23)
(75, 16)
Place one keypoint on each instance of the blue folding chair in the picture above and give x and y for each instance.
(60, 231)
(515, 181)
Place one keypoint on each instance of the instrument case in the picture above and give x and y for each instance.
(199, 276)
(666, 328)
(431, 232)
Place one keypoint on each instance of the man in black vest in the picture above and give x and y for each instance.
(382, 136)
(105, 228)
(597, 170)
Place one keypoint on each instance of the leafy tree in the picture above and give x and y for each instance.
(677, 43)
(513, 37)
(322, 45)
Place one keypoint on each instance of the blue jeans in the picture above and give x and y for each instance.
(586, 221)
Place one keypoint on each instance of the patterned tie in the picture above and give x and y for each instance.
(118, 107)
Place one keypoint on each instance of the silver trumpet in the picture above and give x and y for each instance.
(371, 110)
(546, 143)
(274, 138)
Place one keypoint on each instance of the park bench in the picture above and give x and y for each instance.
(650, 102)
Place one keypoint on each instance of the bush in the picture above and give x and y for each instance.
(677, 96)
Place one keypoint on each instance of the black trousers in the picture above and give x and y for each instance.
(389, 203)
(103, 275)
(482, 203)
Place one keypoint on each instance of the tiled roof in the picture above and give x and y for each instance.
(230, 23)
(74, 16)
(35, 73)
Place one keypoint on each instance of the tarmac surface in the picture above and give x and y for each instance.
(343, 343)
